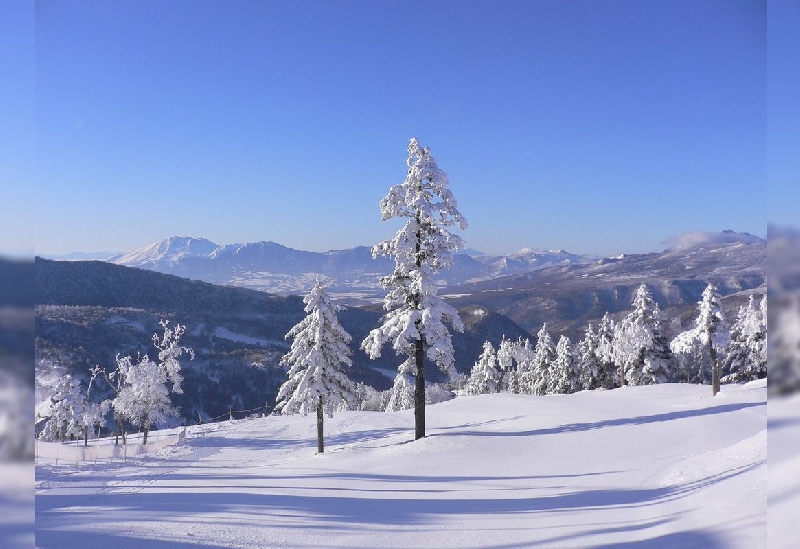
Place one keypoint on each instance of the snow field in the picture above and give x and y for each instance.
(655, 466)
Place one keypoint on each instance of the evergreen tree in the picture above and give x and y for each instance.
(747, 355)
(589, 366)
(536, 380)
(640, 348)
(319, 347)
(505, 364)
(484, 376)
(710, 332)
(564, 369)
(415, 322)
(401, 395)
(612, 376)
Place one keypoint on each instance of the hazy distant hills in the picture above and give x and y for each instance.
(89, 311)
(569, 296)
(351, 275)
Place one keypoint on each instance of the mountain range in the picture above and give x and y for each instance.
(351, 275)
(89, 311)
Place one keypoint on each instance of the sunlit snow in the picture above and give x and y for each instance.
(658, 466)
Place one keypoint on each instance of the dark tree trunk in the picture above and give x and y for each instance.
(146, 430)
(419, 351)
(120, 431)
(320, 420)
(419, 392)
(712, 352)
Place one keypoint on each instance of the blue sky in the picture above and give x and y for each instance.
(597, 127)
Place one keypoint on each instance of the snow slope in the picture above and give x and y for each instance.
(664, 466)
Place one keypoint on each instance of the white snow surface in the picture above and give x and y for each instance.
(662, 466)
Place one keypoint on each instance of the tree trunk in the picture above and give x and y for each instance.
(120, 431)
(320, 419)
(146, 430)
(419, 355)
(85, 437)
(419, 392)
(712, 352)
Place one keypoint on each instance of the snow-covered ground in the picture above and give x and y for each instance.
(664, 466)
(784, 472)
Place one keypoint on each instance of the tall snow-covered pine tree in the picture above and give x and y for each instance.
(416, 317)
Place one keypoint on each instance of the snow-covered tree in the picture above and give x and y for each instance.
(416, 317)
(401, 395)
(523, 356)
(613, 375)
(484, 376)
(747, 354)
(588, 362)
(319, 348)
(143, 399)
(692, 364)
(710, 331)
(65, 410)
(564, 376)
(536, 379)
(142, 386)
(640, 348)
(505, 364)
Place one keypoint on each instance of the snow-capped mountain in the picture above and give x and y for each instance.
(351, 274)
(167, 252)
(528, 259)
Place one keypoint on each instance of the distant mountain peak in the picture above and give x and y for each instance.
(700, 238)
(169, 250)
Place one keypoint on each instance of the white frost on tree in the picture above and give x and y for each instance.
(415, 323)
(143, 386)
(505, 365)
(484, 376)
(564, 377)
(317, 381)
(64, 412)
(401, 395)
(593, 373)
(143, 399)
(710, 332)
(605, 352)
(536, 379)
(640, 348)
(747, 354)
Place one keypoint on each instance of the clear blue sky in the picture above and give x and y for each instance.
(597, 127)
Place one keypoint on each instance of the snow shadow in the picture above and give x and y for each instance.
(590, 426)
(68, 539)
(677, 540)
(331, 507)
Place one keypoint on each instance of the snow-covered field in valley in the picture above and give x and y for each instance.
(664, 466)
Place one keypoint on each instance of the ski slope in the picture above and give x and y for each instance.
(665, 466)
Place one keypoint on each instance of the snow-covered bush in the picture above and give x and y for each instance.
(436, 393)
